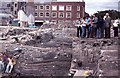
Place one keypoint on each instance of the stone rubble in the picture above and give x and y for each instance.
(52, 51)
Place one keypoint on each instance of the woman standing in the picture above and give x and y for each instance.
(83, 23)
(94, 23)
(115, 27)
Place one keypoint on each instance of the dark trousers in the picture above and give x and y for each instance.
(5, 65)
(115, 31)
(79, 31)
(107, 32)
(102, 32)
(94, 32)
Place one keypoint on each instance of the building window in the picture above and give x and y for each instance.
(78, 8)
(15, 12)
(68, 21)
(47, 7)
(36, 14)
(61, 15)
(41, 7)
(54, 14)
(61, 7)
(23, 8)
(54, 7)
(54, 21)
(15, 5)
(68, 8)
(36, 7)
(68, 15)
(41, 14)
(12, 8)
(47, 14)
(78, 15)
(60, 21)
(8, 5)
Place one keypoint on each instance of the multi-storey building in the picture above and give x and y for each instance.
(66, 11)
(42, 12)
(4, 11)
(49, 10)
(26, 6)
(55, 11)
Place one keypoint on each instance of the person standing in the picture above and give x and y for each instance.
(88, 25)
(94, 23)
(83, 23)
(79, 29)
(100, 27)
(107, 20)
(115, 27)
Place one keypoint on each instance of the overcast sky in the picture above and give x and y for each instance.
(93, 6)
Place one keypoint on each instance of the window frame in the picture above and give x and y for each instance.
(54, 16)
(40, 7)
(77, 15)
(61, 9)
(46, 7)
(67, 14)
(37, 14)
(46, 14)
(78, 8)
(54, 6)
(67, 8)
(40, 14)
(36, 7)
(60, 16)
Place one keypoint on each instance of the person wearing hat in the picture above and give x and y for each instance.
(107, 20)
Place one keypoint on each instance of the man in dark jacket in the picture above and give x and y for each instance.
(100, 27)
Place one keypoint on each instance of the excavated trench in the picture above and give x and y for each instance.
(51, 52)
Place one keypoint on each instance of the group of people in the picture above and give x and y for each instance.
(97, 27)
(6, 63)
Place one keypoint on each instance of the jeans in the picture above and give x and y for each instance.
(100, 32)
(9, 68)
(5, 65)
(1, 66)
(83, 31)
(89, 31)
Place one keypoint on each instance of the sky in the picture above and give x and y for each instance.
(92, 6)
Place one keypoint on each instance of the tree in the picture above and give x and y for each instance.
(113, 13)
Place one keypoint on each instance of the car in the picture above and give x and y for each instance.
(15, 22)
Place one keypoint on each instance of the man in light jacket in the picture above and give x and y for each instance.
(107, 20)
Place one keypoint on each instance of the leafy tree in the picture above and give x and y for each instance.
(113, 13)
